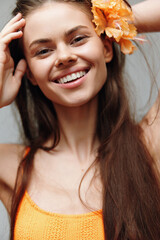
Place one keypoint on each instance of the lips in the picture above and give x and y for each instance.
(71, 77)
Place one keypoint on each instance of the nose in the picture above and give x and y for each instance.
(64, 56)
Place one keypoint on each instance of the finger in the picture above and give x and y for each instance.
(12, 28)
(14, 19)
(7, 39)
(20, 70)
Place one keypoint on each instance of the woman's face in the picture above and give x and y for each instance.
(65, 57)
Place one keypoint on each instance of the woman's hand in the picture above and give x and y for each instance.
(9, 82)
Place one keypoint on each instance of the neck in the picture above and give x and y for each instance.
(78, 128)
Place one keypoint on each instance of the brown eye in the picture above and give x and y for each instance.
(43, 51)
(78, 40)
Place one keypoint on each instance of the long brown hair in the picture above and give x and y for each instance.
(131, 191)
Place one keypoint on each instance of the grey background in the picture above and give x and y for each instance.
(139, 82)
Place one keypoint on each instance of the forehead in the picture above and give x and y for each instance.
(54, 17)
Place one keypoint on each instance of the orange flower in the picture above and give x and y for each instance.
(114, 17)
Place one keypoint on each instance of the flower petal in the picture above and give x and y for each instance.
(114, 17)
(127, 46)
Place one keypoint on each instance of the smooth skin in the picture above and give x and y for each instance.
(45, 188)
(147, 16)
(70, 48)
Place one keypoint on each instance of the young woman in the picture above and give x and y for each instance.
(84, 172)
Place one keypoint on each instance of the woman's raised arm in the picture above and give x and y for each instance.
(147, 19)
(147, 15)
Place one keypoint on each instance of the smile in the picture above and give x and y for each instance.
(71, 77)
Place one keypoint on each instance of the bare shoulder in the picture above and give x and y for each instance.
(10, 156)
(151, 130)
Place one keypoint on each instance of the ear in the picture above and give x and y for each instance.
(108, 50)
(30, 76)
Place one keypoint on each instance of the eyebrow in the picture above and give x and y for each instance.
(48, 40)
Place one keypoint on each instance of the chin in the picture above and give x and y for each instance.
(80, 102)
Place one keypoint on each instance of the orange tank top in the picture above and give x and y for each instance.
(33, 223)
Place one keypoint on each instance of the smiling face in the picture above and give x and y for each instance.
(65, 57)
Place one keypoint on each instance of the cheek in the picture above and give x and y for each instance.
(102, 76)
(39, 69)
(101, 72)
(97, 60)
(95, 55)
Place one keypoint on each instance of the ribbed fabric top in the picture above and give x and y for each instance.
(33, 223)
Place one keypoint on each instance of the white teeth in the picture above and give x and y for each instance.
(65, 79)
(68, 78)
(78, 75)
(74, 76)
(71, 77)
